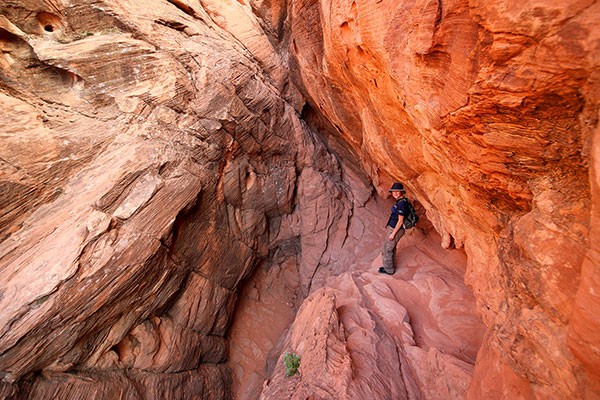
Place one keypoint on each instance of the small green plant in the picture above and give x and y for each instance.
(82, 35)
(292, 363)
(111, 29)
(41, 300)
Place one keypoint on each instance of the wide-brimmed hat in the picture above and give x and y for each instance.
(397, 187)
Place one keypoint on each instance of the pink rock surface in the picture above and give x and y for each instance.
(143, 156)
(266, 308)
(363, 334)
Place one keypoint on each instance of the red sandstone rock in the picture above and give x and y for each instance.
(584, 327)
(266, 308)
(413, 335)
(148, 161)
(348, 352)
(485, 111)
(497, 380)
(132, 206)
(207, 382)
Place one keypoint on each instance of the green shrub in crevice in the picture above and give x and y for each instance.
(292, 363)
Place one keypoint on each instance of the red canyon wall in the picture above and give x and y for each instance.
(146, 164)
(488, 112)
(152, 153)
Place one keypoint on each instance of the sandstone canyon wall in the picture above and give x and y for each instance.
(488, 111)
(153, 153)
(143, 153)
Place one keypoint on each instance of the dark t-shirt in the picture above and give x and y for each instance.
(399, 208)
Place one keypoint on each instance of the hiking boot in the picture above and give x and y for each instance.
(383, 271)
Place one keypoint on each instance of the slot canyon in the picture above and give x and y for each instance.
(193, 190)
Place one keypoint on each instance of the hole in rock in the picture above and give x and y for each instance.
(178, 26)
(346, 33)
(48, 22)
(115, 349)
(183, 7)
(7, 40)
(26, 68)
(354, 10)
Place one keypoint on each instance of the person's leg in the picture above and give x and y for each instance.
(388, 251)
(399, 234)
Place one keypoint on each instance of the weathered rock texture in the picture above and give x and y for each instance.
(410, 336)
(145, 159)
(425, 315)
(488, 112)
(153, 152)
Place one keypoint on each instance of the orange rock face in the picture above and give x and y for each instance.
(583, 339)
(487, 111)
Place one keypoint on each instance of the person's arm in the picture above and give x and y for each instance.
(397, 228)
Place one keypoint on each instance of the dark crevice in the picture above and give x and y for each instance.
(178, 26)
(438, 15)
(183, 7)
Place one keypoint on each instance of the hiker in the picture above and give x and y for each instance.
(394, 230)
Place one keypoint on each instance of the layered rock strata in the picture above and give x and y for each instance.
(147, 165)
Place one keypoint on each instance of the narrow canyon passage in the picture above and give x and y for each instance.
(190, 189)
(424, 309)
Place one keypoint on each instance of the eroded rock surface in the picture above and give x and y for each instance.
(145, 160)
(488, 112)
(414, 335)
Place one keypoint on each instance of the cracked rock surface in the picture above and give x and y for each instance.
(145, 159)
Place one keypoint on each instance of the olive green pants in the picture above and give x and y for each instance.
(388, 253)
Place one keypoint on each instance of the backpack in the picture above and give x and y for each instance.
(411, 219)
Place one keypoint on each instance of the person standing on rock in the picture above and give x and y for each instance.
(394, 229)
